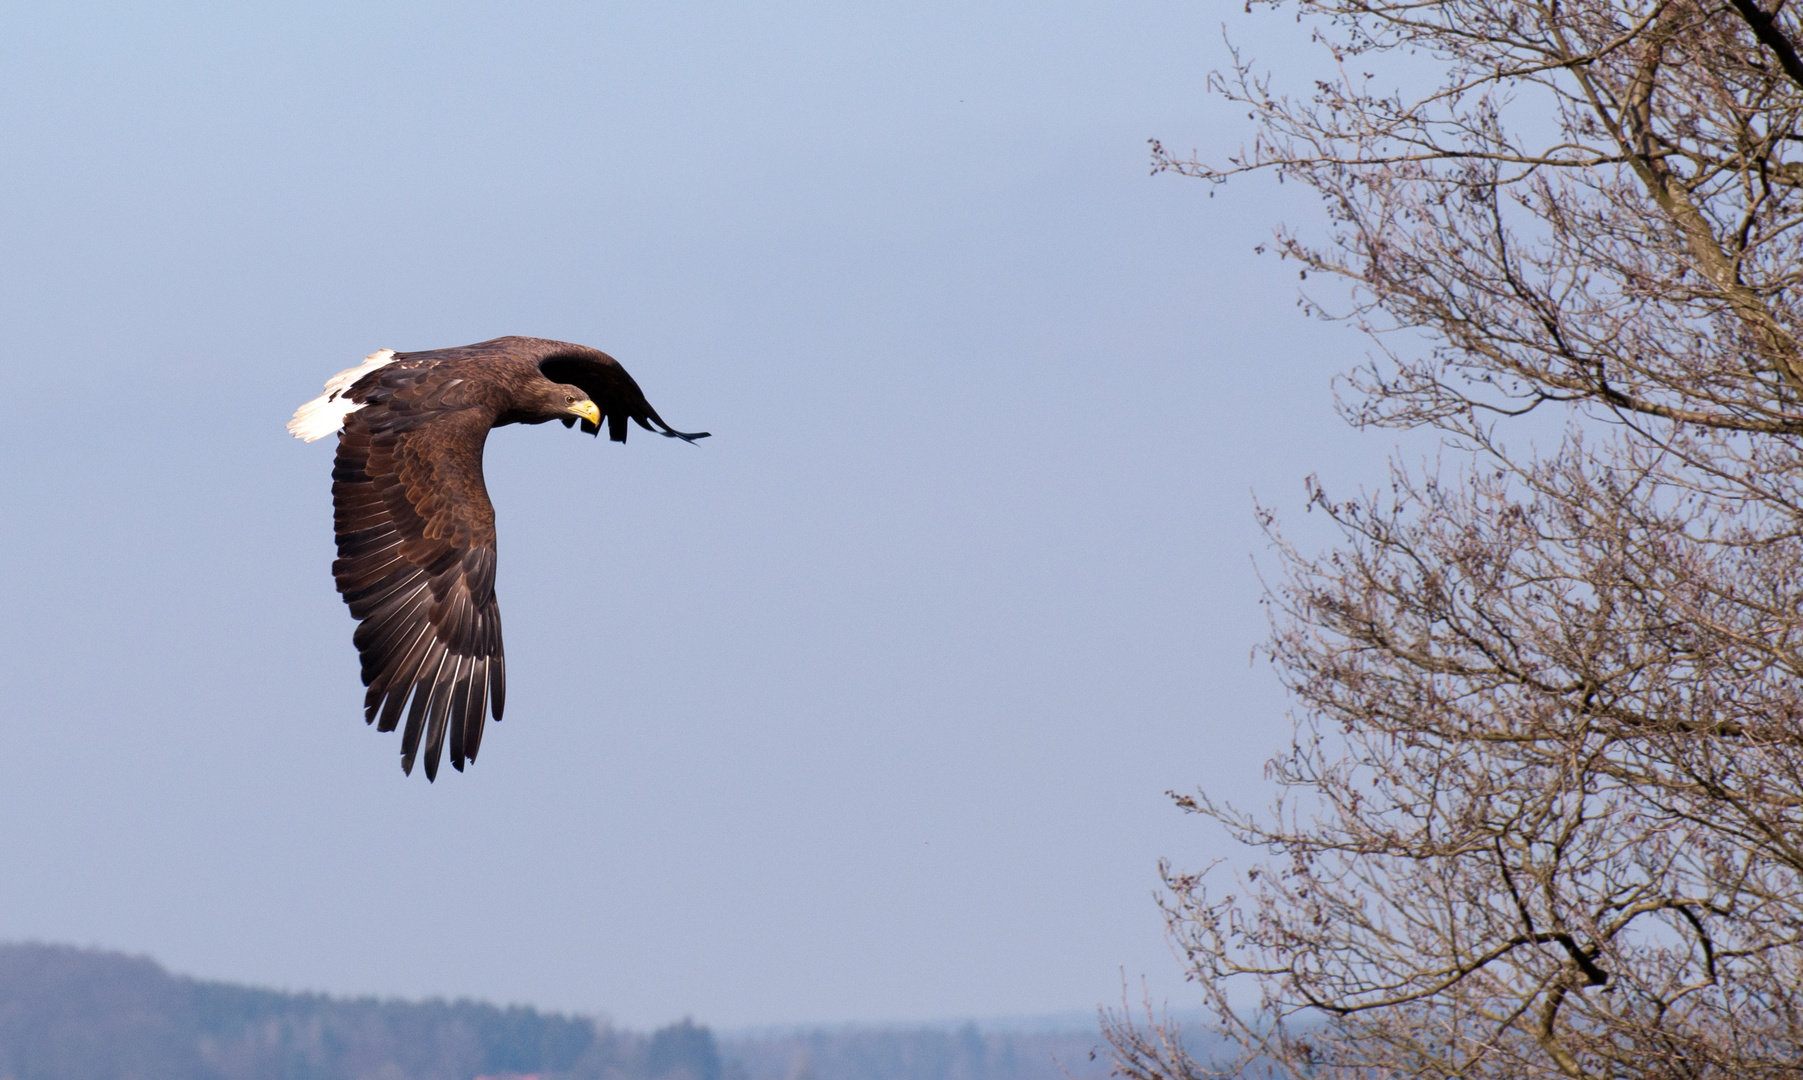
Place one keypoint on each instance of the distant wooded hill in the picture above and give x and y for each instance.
(80, 1014)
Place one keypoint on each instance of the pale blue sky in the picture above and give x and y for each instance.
(861, 710)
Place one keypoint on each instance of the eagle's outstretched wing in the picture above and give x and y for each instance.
(416, 564)
(613, 391)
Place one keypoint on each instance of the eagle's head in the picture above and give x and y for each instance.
(562, 402)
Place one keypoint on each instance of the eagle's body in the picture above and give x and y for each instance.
(416, 532)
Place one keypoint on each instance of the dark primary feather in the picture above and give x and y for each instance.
(606, 383)
(416, 532)
(416, 565)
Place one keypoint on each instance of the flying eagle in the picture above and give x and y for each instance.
(416, 532)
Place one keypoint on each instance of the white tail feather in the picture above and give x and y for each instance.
(325, 414)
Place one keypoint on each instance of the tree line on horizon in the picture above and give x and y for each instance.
(83, 1014)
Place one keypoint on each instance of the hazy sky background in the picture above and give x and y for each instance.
(863, 709)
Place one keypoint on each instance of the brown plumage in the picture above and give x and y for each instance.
(416, 532)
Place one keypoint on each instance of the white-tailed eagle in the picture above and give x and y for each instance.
(416, 532)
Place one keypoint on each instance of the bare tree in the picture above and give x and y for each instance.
(1543, 810)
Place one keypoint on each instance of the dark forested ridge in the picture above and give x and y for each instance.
(80, 1014)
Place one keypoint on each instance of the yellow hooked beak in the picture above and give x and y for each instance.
(588, 411)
